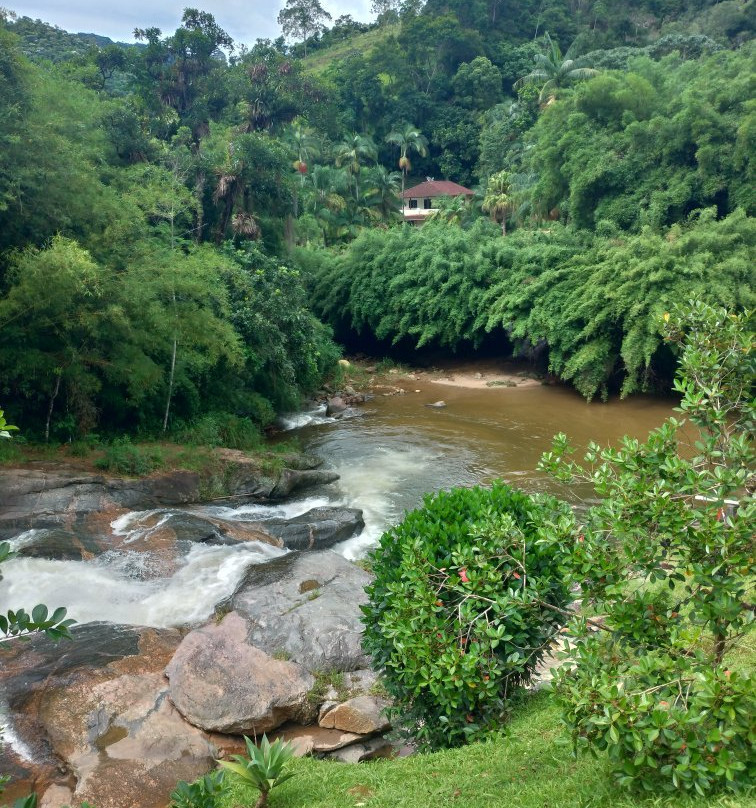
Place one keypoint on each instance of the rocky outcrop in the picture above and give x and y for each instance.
(306, 606)
(52, 497)
(220, 682)
(94, 716)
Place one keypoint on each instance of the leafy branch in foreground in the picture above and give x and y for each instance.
(19, 623)
(668, 558)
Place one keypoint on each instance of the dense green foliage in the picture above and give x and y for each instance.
(592, 299)
(152, 198)
(667, 559)
(466, 598)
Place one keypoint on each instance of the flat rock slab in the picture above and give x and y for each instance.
(364, 715)
(364, 750)
(315, 740)
(222, 683)
(306, 607)
(94, 716)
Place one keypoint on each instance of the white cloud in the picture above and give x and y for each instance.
(244, 20)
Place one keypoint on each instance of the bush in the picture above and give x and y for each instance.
(667, 557)
(222, 429)
(123, 457)
(467, 596)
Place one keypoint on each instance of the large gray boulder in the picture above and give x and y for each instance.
(317, 529)
(222, 683)
(306, 606)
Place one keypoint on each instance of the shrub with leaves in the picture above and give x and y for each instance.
(467, 596)
(668, 558)
(263, 768)
(203, 793)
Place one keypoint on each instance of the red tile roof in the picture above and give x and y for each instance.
(432, 188)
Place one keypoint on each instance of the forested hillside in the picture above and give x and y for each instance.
(169, 212)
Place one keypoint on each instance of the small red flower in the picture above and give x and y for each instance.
(516, 575)
(463, 575)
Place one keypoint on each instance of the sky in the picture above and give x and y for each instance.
(244, 20)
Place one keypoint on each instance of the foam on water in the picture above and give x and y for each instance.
(108, 588)
(257, 513)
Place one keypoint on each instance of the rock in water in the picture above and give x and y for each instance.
(335, 406)
(222, 683)
(317, 529)
(437, 405)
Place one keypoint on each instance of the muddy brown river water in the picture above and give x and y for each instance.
(389, 453)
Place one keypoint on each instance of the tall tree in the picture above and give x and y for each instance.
(302, 19)
(498, 199)
(553, 70)
(352, 154)
(407, 138)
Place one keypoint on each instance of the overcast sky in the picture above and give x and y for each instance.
(244, 20)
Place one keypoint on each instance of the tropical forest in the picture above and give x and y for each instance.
(377, 408)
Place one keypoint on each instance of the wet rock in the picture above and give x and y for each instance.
(335, 406)
(221, 682)
(95, 716)
(317, 529)
(59, 498)
(437, 405)
(320, 629)
(364, 715)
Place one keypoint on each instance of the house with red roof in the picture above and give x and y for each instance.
(418, 202)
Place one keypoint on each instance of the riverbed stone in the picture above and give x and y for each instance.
(221, 682)
(335, 406)
(317, 529)
(94, 716)
(55, 496)
(318, 626)
(363, 714)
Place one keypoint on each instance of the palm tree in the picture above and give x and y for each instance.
(381, 189)
(498, 200)
(352, 153)
(553, 70)
(408, 138)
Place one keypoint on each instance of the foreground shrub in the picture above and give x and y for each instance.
(263, 767)
(668, 558)
(467, 596)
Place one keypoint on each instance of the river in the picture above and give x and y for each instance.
(389, 452)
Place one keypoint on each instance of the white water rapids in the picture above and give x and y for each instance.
(388, 457)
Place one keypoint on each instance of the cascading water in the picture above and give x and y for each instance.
(388, 453)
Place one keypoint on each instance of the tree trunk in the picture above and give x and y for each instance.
(50, 408)
(170, 384)
(504, 226)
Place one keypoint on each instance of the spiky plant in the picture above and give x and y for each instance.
(263, 768)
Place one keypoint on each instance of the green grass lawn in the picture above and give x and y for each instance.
(527, 768)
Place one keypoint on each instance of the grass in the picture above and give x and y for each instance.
(527, 768)
(318, 61)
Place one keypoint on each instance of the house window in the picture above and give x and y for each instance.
(413, 203)
(427, 204)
